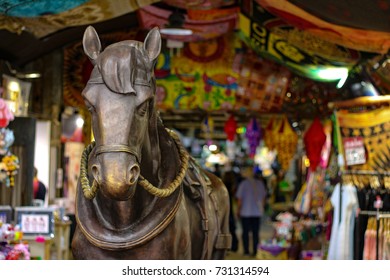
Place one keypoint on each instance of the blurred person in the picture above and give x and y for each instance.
(251, 195)
(230, 180)
(39, 189)
(217, 170)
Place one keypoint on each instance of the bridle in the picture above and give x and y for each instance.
(117, 149)
(90, 191)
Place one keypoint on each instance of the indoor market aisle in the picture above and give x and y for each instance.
(266, 233)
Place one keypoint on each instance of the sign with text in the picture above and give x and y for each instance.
(354, 150)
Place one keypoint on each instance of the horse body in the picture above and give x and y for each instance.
(123, 215)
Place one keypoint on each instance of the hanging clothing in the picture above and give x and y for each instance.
(341, 240)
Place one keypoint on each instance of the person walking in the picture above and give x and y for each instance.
(230, 180)
(251, 195)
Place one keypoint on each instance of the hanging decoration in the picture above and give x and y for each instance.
(286, 141)
(208, 129)
(262, 84)
(357, 28)
(5, 114)
(202, 77)
(49, 20)
(253, 135)
(7, 138)
(230, 128)
(314, 139)
(24, 8)
(271, 133)
(11, 164)
(303, 52)
(373, 127)
(215, 24)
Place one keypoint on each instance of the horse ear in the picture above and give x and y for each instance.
(152, 43)
(91, 44)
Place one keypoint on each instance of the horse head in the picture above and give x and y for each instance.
(120, 97)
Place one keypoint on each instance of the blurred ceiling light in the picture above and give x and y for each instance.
(176, 31)
(175, 25)
(333, 74)
(79, 122)
(213, 147)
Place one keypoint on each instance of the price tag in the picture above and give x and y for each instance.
(354, 150)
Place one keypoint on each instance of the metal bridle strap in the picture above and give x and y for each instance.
(116, 149)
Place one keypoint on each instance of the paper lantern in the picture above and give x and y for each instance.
(230, 128)
(286, 141)
(253, 134)
(314, 139)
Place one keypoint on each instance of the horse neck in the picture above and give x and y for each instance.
(160, 155)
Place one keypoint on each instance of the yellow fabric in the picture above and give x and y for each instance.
(358, 39)
(374, 127)
(286, 143)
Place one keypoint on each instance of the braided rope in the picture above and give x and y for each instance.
(165, 192)
(90, 192)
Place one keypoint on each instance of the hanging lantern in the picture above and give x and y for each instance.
(314, 139)
(253, 134)
(286, 141)
(271, 133)
(230, 128)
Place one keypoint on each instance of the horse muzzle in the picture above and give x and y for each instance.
(116, 174)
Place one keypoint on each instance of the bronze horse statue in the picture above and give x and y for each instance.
(140, 195)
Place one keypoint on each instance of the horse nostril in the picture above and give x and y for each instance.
(133, 173)
(96, 172)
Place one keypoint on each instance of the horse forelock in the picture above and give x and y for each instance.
(122, 65)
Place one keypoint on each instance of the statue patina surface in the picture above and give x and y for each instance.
(140, 195)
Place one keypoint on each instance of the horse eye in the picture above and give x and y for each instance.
(143, 108)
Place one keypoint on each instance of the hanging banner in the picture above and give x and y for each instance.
(362, 39)
(301, 51)
(374, 130)
(211, 25)
(200, 76)
(92, 11)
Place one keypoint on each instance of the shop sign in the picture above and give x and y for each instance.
(354, 150)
